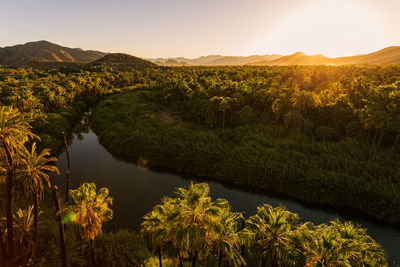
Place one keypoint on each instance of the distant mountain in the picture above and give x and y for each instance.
(385, 56)
(231, 60)
(44, 53)
(173, 62)
(122, 62)
(389, 55)
(298, 58)
(214, 60)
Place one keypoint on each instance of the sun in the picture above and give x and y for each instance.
(332, 28)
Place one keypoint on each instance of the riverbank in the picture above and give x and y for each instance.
(260, 157)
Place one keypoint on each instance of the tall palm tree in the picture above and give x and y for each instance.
(361, 249)
(89, 209)
(197, 211)
(159, 225)
(320, 246)
(14, 132)
(305, 100)
(23, 220)
(35, 168)
(268, 234)
(179, 226)
(223, 239)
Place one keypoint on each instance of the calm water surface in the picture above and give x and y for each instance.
(136, 190)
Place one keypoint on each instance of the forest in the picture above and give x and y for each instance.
(321, 134)
(318, 133)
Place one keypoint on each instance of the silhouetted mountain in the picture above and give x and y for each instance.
(298, 58)
(213, 60)
(44, 53)
(122, 62)
(385, 56)
(231, 60)
(173, 62)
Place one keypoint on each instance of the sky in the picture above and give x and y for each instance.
(192, 28)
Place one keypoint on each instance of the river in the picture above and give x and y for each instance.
(136, 190)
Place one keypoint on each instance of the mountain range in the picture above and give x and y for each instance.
(389, 55)
(47, 55)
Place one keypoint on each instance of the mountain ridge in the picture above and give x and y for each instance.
(44, 51)
(385, 56)
(44, 55)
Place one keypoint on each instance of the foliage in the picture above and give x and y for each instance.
(273, 236)
(194, 226)
(89, 209)
(121, 248)
(342, 172)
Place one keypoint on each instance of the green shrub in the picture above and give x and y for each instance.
(121, 248)
(326, 133)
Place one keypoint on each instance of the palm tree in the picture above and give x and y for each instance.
(159, 225)
(35, 168)
(3, 251)
(223, 238)
(89, 209)
(361, 249)
(23, 220)
(61, 232)
(304, 100)
(320, 246)
(268, 234)
(14, 132)
(180, 226)
(197, 211)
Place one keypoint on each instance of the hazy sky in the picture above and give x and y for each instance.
(170, 28)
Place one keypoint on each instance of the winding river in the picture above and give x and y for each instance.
(136, 190)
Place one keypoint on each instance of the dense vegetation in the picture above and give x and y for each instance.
(44, 104)
(28, 232)
(194, 227)
(323, 134)
(55, 100)
(320, 134)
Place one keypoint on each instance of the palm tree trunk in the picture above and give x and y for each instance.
(262, 262)
(180, 260)
(381, 137)
(63, 254)
(373, 142)
(35, 220)
(394, 144)
(223, 119)
(194, 259)
(10, 202)
(159, 257)
(219, 260)
(68, 168)
(92, 253)
(2, 246)
(369, 134)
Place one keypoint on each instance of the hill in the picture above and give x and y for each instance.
(298, 58)
(214, 60)
(46, 55)
(389, 55)
(385, 56)
(231, 60)
(43, 54)
(121, 62)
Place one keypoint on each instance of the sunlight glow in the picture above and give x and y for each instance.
(331, 28)
(70, 218)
